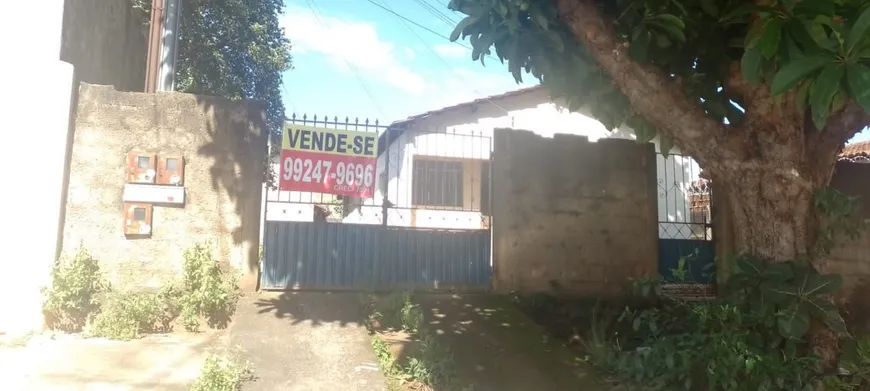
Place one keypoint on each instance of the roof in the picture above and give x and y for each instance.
(399, 126)
(856, 150)
(487, 99)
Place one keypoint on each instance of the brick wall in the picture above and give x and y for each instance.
(106, 41)
(567, 211)
(223, 144)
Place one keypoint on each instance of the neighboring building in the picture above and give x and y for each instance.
(856, 152)
(438, 171)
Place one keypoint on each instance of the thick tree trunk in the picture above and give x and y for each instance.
(771, 213)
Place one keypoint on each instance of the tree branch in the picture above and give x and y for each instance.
(824, 147)
(651, 92)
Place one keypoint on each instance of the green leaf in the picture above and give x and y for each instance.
(822, 93)
(747, 10)
(823, 284)
(674, 31)
(467, 21)
(859, 82)
(795, 71)
(639, 47)
(771, 36)
(540, 18)
(709, 6)
(644, 134)
(750, 65)
(669, 20)
(665, 145)
(794, 322)
(860, 31)
(803, 95)
(798, 31)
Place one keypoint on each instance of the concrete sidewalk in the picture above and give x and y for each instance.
(307, 341)
(69, 362)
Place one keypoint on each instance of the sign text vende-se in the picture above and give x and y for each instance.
(330, 161)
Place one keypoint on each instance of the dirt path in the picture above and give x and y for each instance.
(498, 348)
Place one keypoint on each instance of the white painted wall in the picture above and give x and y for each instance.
(34, 155)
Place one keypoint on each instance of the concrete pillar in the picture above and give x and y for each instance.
(39, 91)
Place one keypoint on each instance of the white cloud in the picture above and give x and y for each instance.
(353, 42)
(452, 50)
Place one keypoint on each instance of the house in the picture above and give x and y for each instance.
(433, 168)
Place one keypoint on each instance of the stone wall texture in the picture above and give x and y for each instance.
(223, 143)
(571, 213)
(106, 41)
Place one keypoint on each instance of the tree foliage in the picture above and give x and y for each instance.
(819, 48)
(234, 49)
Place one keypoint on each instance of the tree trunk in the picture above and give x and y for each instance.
(772, 218)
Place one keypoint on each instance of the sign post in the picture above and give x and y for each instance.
(331, 161)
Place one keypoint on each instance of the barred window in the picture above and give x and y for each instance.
(437, 183)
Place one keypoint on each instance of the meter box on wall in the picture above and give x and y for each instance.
(137, 219)
(170, 170)
(141, 167)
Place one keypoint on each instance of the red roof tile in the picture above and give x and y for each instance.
(861, 149)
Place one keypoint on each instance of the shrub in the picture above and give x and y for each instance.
(127, 315)
(207, 291)
(73, 298)
(753, 338)
(223, 373)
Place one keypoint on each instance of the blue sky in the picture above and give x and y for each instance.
(352, 58)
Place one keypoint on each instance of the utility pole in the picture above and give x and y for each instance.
(169, 46)
(152, 61)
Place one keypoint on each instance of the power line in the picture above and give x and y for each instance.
(418, 24)
(436, 12)
(387, 7)
(312, 5)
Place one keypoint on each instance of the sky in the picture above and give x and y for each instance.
(354, 59)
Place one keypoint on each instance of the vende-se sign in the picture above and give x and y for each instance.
(329, 161)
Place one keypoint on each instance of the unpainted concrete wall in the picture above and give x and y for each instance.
(223, 143)
(572, 213)
(106, 41)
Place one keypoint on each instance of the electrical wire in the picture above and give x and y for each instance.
(426, 44)
(436, 12)
(312, 5)
(400, 16)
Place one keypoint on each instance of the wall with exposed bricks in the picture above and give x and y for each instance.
(572, 213)
(222, 142)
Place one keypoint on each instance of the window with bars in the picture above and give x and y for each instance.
(437, 183)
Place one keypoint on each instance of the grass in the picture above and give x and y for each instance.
(224, 373)
(410, 356)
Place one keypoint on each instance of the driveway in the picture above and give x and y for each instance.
(306, 341)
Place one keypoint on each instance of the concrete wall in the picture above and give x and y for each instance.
(577, 213)
(106, 40)
(223, 143)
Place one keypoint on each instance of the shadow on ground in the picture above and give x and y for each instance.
(318, 308)
(497, 347)
(306, 341)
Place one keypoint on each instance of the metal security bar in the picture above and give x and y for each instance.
(285, 205)
(684, 199)
(438, 179)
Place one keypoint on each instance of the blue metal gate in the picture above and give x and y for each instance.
(323, 255)
(426, 227)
